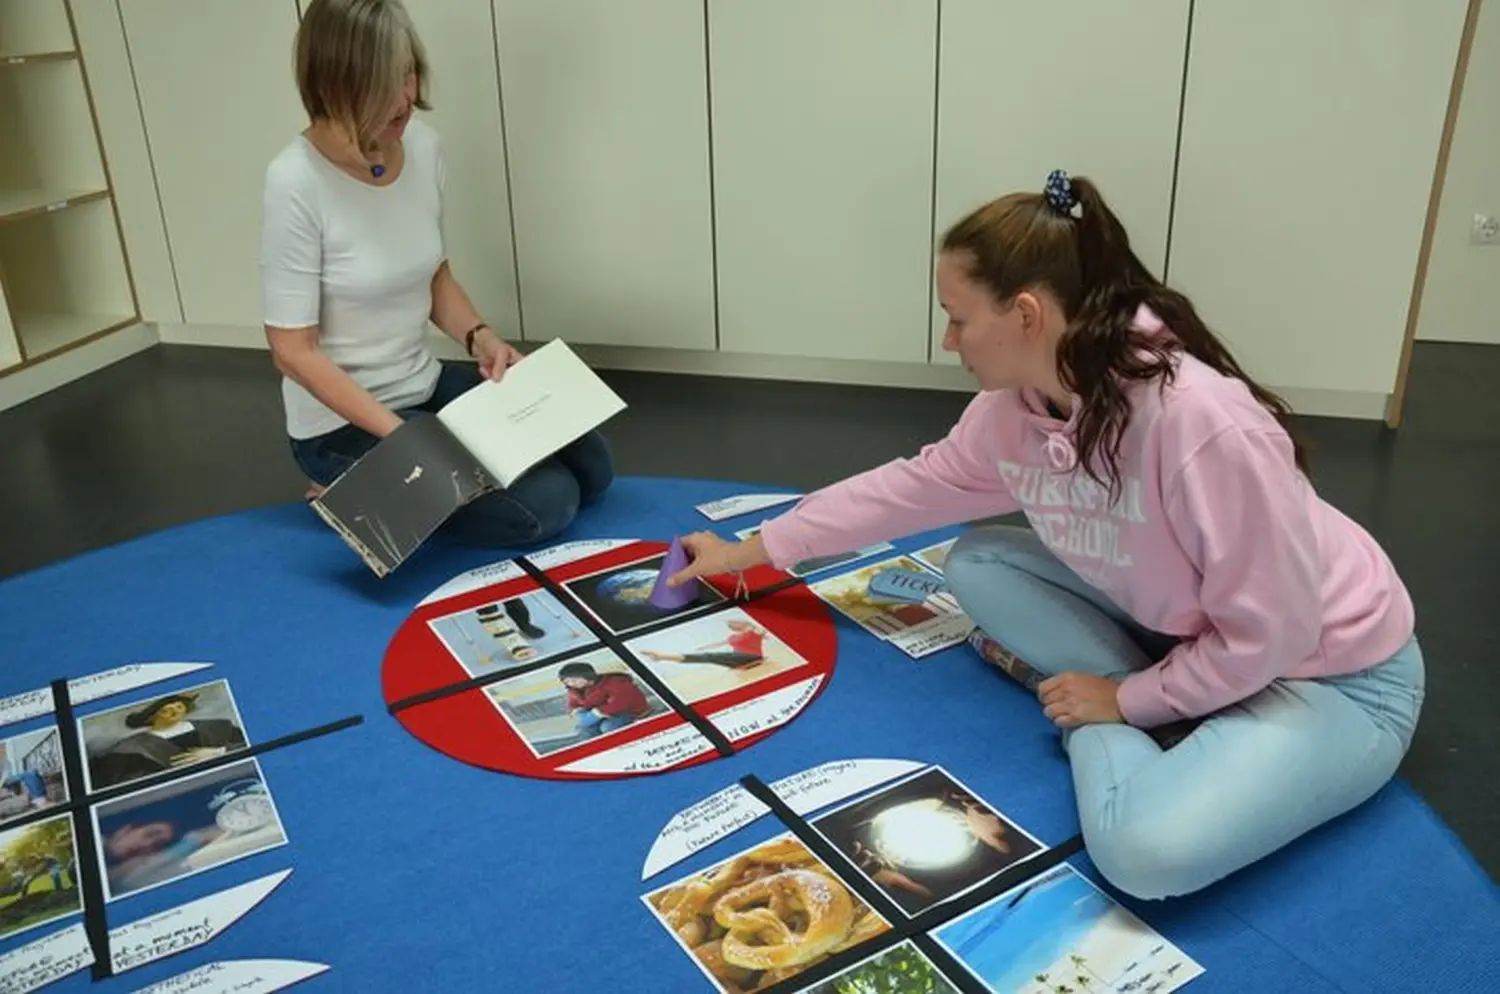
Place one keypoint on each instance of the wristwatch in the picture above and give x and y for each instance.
(469, 338)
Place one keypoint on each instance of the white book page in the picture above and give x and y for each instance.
(543, 403)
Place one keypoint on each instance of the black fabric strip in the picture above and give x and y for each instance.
(86, 846)
(918, 928)
(612, 642)
(229, 759)
(448, 690)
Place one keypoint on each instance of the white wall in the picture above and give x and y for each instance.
(219, 101)
(1461, 300)
(822, 175)
(606, 120)
(1109, 113)
(1310, 138)
(673, 196)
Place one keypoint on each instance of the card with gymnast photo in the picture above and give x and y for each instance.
(621, 597)
(139, 741)
(926, 839)
(705, 657)
(761, 917)
(31, 774)
(505, 634)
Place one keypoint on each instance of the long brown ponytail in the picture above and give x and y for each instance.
(1069, 242)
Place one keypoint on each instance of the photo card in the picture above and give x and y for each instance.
(763, 916)
(900, 969)
(38, 875)
(512, 632)
(705, 657)
(935, 557)
(918, 628)
(144, 739)
(183, 827)
(32, 778)
(1060, 930)
(926, 839)
(620, 597)
(822, 564)
(588, 697)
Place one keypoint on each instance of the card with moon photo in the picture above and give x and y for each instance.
(505, 634)
(705, 657)
(926, 839)
(1058, 932)
(138, 741)
(897, 970)
(31, 774)
(184, 827)
(38, 875)
(763, 916)
(586, 698)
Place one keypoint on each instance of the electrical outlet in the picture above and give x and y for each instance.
(1485, 230)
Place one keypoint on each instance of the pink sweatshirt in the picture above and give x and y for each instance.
(1218, 538)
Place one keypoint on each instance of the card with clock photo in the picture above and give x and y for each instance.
(180, 828)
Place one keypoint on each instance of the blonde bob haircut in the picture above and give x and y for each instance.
(352, 59)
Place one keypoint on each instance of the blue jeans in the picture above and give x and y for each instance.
(591, 725)
(1248, 780)
(537, 507)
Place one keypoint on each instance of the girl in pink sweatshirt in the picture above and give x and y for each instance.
(1178, 564)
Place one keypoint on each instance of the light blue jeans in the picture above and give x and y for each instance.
(1247, 781)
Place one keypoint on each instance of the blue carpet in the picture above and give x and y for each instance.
(413, 872)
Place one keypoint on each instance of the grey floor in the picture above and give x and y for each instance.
(178, 433)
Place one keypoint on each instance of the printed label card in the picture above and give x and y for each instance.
(31, 774)
(96, 686)
(246, 976)
(763, 916)
(740, 504)
(187, 926)
(926, 840)
(45, 961)
(1060, 930)
(919, 629)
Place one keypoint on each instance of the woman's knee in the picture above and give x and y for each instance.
(1150, 860)
(591, 462)
(548, 499)
(984, 560)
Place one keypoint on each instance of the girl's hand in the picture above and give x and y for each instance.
(710, 555)
(495, 355)
(1073, 699)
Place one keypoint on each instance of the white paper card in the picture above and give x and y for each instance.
(476, 579)
(187, 926)
(711, 819)
(82, 690)
(572, 552)
(733, 507)
(654, 752)
(546, 401)
(762, 713)
(830, 783)
(244, 976)
(44, 961)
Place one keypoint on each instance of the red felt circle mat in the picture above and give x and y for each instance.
(468, 725)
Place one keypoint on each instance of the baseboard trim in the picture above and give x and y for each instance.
(31, 382)
(936, 376)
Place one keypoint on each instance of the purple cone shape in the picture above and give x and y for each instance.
(671, 598)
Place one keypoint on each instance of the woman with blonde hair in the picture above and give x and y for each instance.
(354, 265)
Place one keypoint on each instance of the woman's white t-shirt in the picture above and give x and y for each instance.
(358, 261)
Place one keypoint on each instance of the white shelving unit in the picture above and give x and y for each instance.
(64, 276)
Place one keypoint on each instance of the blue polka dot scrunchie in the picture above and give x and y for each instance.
(1059, 194)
